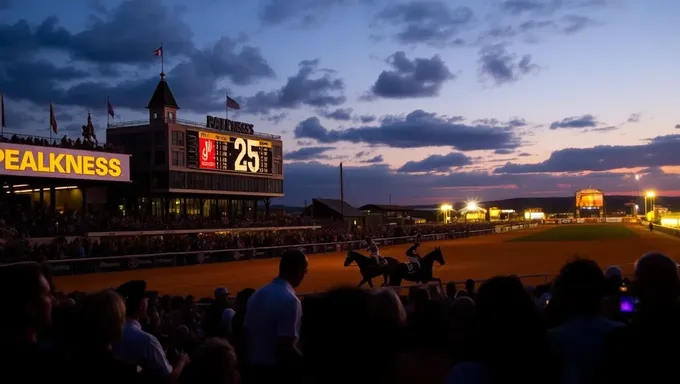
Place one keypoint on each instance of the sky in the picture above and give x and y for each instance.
(423, 102)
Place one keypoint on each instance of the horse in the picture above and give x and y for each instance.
(407, 271)
(369, 269)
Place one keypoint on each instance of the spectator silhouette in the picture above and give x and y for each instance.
(580, 340)
(646, 350)
(510, 338)
(214, 362)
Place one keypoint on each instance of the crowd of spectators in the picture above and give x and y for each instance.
(64, 142)
(82, 247)
(572, 330)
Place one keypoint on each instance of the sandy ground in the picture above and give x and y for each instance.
(476, 258)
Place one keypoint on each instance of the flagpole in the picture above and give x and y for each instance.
(226, 106)
(107, 111)
(162, 58)
(2, 123)
(50, 120)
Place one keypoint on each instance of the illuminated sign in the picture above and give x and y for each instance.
(220, 152)
(589, 199)
(228, 125)
(34, 161)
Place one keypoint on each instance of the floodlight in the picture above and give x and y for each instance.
(471, 206)
(446, 207)
(637, 177)
(651, 194)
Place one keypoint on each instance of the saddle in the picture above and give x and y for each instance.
(381, 261)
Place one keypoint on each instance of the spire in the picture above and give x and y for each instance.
(162, 96)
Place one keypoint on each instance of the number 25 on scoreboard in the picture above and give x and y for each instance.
(247, 147)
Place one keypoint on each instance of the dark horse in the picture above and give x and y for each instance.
(409, 272)
(368, 267)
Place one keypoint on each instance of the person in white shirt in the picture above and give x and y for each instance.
(375, 252)
(272, 322)
(137, 346)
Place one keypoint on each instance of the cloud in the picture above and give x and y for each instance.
(6, 5)
(342, 114)
(313, 179)
(102, 50)
(677, 126)
(437, 163)
(323, 91)
(584, 121)
(503, 67)
(634, 118)
(427, 22)
(545, 7)
(416, 130)
(659, 151)
(308, 153)
(305, 13)
(374, 160)
(420, 77)
(366, 119)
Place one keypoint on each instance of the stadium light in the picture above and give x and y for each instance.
(651, 194)
(637, 177)
(471, 206)
(446, 207)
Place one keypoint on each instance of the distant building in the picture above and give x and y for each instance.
(377, 215)
(333, 212)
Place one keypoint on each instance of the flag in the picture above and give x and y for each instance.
(110, 108)
(231, 103)
(88, 130)
(2, 105)
(53, 120)
(158, 52)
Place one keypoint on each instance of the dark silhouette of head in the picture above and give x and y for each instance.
(28, 300)
(580, 287)
(293, 267)
(656, 281)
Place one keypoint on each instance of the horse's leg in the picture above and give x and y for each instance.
(362, 282)
(370, 283)
(384, 280)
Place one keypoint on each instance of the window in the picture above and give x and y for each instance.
(276, 167)
(171, 116)
(178, 158)
(155, 116)
(277, 151)
(178, 138)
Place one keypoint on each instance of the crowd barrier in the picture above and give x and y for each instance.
(172, 259)
(592, 220)
(667, 230)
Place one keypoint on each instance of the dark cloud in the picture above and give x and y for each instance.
(524, 154)
(677, 126)
(428, 22)
(374, 160)
(277, 118)
(313, 179)
(503, 67)
(420, 77)
(6, 4)
(606, 129)
(302, 12)
(634, 118)
(417, 129)
(437, 163)
(366, 119)
(308, 153)
(585, 121)
(325, 90)
(503, 151)
(659, 151)
(546, 7)
(342, 114)
(102, 47)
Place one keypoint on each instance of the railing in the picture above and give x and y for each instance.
(195, 124)
(667, 230)
(8, 234)
(55, 142)
(173, 259)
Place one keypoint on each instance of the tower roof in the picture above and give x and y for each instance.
(162, 96)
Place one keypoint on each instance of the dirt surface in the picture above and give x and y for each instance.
(476, 258)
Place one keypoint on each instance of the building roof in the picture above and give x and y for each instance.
(384, 208)
(162, 96)
(336, 205)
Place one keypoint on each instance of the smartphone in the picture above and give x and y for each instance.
(627, 304)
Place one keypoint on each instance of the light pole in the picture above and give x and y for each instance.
(649, 195)
(637, 181)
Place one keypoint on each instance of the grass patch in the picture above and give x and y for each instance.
(579, 232)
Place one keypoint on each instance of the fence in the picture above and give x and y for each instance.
(172, 259)
(663, 229)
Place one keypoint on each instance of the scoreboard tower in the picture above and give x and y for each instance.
(220, 169)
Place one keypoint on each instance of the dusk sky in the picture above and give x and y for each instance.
(429, 101)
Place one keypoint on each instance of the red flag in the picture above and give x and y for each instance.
(2, 105)
(53, 120)
(231, 103)
(158, 52)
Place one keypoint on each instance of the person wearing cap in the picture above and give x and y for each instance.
(218, 317)
(137, 346)
(272, 323)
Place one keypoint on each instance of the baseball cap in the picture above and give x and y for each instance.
(133, 290)
(221, 291)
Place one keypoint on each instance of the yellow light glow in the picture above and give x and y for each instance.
(446, 207)
(472, 206)
(651, 194)
(637, 177)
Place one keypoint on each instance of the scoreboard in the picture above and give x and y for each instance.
(220, 152)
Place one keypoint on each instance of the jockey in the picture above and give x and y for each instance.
(374, 252)
(412, 253)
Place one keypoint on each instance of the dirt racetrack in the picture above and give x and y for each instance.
(477, 258)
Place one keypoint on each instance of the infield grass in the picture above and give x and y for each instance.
(580, 232)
